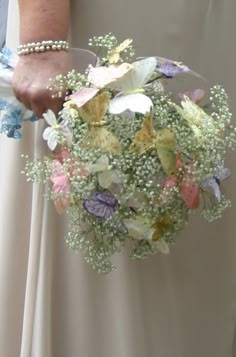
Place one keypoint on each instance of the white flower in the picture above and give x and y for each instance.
(106, 176)
(138, 229)
(55, 131)
(131, 88)
(162, 246)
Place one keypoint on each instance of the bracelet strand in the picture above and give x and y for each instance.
(37, 47)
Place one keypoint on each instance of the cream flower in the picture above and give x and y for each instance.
(56, 131)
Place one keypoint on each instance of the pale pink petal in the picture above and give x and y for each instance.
(102, 76)
(83, 96)
(61, 184)
(195, 95)
(56, 168)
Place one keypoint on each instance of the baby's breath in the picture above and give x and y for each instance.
(145, 192)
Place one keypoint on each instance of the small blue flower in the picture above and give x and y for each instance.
(7, 57)
(33, 118)
(3, 104)
(10, 119)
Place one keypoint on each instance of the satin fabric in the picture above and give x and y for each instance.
(51, 303)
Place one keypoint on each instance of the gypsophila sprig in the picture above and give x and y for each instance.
(108, 49)
(62, 84)
(129, 164)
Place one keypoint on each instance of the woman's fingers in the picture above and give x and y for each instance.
(31, 78)
(41, 100)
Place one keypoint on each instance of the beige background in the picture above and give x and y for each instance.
(182, 305)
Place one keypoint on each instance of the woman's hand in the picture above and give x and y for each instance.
(31, 78)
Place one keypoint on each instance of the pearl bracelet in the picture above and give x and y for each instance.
(37, 47)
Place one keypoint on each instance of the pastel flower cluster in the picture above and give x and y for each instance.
(129, 163)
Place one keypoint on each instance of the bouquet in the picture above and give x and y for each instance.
(127, 162)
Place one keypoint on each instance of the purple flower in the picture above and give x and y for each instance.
(101, 205)
(171, 68)
(221, 173)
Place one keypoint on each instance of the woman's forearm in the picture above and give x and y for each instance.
(44, 20)
(41, 20)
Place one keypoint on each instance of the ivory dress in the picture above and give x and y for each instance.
(182, 305)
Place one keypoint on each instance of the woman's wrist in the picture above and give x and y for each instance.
(42, 46)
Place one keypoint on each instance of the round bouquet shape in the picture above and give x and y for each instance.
(129, 163)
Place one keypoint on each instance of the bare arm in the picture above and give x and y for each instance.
(41, 20)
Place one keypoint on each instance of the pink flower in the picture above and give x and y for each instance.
(75, 165)
(170, 182)
(62, 155)
(195, 95)
(61, 186)
(189, 189)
